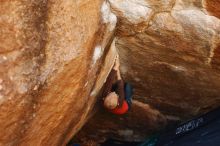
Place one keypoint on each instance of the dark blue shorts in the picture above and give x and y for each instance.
(128, 93)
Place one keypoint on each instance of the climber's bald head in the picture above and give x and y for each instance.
(111, 100)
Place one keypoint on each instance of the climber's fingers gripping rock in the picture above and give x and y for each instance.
(117, 63)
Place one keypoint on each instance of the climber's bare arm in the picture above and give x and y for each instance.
(113, 76)
(120, 82)
(109, 82)
(116, 67)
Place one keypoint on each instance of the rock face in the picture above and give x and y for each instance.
(169, 50)
(55, 57)
(51, 53)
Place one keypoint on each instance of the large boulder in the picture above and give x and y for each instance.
(51, 54)
(169, 50)
(55, 57)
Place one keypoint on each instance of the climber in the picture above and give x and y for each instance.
(117, 95)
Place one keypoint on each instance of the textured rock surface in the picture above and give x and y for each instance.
(54, 60)
(170, 51)
(50, 57)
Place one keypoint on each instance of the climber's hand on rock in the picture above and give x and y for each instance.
(117, 64)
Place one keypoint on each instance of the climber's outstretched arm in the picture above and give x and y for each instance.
(113, 76)
(120, 82)
(109, 82)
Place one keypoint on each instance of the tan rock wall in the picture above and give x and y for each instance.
(169, 50)
(50, 56)
(54, 60)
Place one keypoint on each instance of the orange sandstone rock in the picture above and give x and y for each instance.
(51, 54)
(55, 57)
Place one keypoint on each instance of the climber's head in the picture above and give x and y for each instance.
(111, 100)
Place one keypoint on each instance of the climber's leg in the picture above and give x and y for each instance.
(128, 94)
